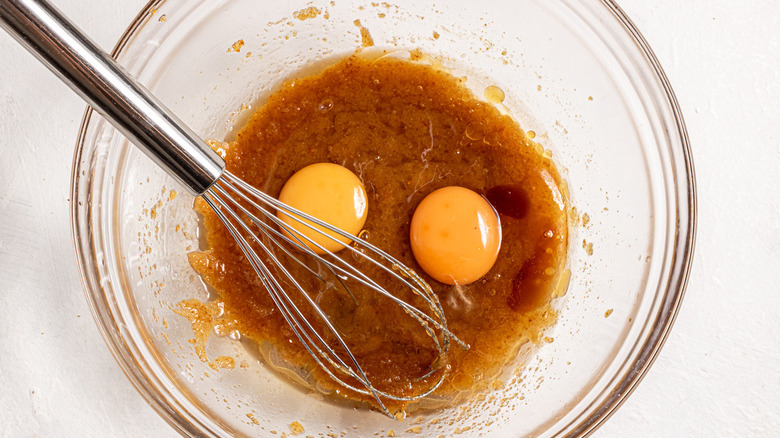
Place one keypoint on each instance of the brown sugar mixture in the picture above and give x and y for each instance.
(405, 129)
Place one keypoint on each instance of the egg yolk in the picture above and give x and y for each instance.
(455, 235)
(330, 193)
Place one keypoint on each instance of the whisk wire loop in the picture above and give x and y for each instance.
(237, 204)
(291, 313)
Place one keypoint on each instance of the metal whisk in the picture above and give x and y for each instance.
(248, 214)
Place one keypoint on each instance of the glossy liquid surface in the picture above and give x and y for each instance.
(405, 129)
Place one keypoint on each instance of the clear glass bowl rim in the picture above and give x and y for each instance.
(681, 257)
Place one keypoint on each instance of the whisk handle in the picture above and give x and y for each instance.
(113, 92)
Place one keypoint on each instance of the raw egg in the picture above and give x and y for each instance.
(330, 193)
(455, 235)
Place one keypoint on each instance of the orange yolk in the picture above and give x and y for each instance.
(455, 235)
(330, 193)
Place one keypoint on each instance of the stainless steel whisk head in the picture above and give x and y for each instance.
(246, 212)
(259, 232)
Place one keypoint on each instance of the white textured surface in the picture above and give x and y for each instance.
(718, 375)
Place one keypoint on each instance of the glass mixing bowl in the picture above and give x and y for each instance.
(575, 72)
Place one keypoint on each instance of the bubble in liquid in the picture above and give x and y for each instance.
(325, 106)
(494, 94)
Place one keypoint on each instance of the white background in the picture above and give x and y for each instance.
(718, 375)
